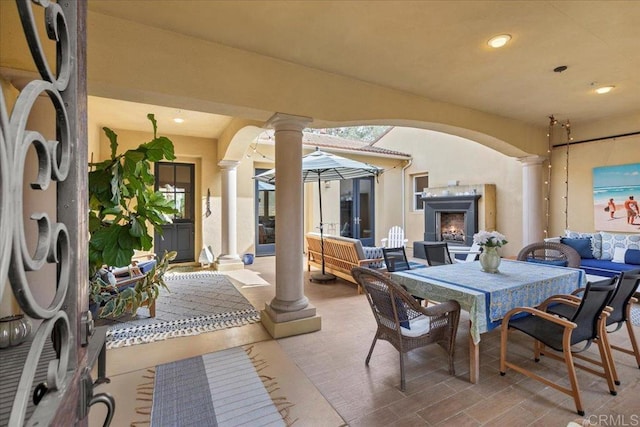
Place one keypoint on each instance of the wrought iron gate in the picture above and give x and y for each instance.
(48, 375)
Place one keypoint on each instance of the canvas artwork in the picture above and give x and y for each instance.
(616, 191)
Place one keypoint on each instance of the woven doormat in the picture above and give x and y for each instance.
(198, 302)
(227, 388)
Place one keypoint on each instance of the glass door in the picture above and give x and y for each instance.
(357, 210)
(265, 214)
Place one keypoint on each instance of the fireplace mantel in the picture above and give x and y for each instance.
(479, 201)
(467, 204)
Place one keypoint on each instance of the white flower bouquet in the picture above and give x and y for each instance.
(490, 239)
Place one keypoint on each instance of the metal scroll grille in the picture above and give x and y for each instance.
(22, 255)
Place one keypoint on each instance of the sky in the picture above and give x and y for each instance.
(621, 175)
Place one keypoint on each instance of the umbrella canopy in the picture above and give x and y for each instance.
(327, 167)
(322, 166)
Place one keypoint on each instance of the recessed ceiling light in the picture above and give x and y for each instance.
(499, 41)
(178, 120)
(604, 89)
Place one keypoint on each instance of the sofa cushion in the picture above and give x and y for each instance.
(632, 256)
(606, 268)
(419, 326)
(622, 240)
(618, 255)
(582, 245)
(358, 245)
(596, 241)
(373, 252)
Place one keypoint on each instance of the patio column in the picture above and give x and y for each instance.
(289, 312)
(532, 200)
(229, 259)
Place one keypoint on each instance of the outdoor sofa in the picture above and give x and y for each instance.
(603, 253)
(341, 254)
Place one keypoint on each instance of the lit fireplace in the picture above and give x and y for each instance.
(451, 226)
(453, 219)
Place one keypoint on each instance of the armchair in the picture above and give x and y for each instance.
(586, 325)
(620, 303)
(403, 322)
(550, 253)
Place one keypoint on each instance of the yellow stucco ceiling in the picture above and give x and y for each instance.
(118, 114)
(435, 49)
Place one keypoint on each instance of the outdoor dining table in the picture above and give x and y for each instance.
(489, 296)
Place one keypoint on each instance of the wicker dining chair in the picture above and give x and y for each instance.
(550, 252)
(403, 322)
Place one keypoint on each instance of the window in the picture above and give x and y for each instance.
(420, 182)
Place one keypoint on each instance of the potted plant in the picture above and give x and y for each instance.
(124, 209)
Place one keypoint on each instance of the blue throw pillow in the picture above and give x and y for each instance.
(632, 256)
(582, 246)
(558, 262)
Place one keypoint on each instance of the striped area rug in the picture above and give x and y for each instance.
(197, 302)
(217, 389)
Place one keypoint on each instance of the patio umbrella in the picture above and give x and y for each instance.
(322, 166)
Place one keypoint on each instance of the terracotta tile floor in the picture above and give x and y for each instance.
(333, 360)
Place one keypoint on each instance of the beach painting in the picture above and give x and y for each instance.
(616, 195)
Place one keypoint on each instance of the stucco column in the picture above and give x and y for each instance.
(229, 258)
(289, 304)
(532, 200)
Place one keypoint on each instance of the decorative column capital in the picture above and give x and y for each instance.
(282, 121)
(532, 160)
(228, 164)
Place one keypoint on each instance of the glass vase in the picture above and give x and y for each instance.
(490, 259)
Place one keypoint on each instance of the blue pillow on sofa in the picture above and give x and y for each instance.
(581, 245)
(632, 256)
(558, 262)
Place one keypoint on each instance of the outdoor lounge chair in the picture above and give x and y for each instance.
(395, 239)
(403, 322)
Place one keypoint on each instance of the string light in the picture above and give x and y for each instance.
(567, 127)
(552, 123)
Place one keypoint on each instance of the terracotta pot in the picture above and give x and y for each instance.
(14, 330)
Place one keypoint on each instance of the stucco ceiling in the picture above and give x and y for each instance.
(118, 114)
(436, 49)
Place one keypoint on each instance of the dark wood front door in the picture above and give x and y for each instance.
(176, 182)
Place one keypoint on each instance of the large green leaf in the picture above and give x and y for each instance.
(113, 138)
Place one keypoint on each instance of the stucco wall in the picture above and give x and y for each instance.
(202, 153)
(446, 158)
(583, 158)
